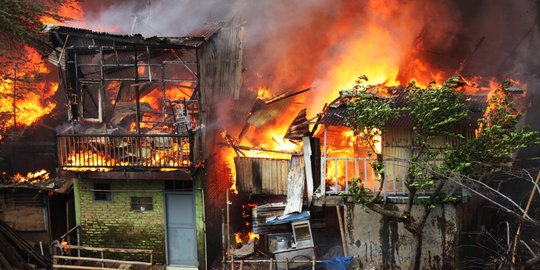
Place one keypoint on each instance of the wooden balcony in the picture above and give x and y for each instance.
(339, 173)
(123, 152)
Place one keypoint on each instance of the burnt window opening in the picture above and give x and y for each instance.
(142, 204)
(179, 186)
(102, 192)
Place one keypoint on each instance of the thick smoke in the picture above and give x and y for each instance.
(298, 44)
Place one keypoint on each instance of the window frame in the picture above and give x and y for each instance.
(137, 202)
(100, 189)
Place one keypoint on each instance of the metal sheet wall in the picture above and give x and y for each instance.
(261, 175)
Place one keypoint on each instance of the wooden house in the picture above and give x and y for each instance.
(135, 140)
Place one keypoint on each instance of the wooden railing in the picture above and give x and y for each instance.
(107, 152)
(339, 173)
(97, 263)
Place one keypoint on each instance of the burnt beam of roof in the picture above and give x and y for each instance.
(193, 39)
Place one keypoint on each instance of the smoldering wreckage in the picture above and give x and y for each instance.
(145, 162)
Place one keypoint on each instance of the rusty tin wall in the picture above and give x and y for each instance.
(261, 175)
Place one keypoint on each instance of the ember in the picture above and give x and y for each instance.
(31, 177)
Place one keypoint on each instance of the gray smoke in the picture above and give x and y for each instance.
(294, 44)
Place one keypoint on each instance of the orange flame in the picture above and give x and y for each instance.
(71, 11)
(34, 177)
(29, 94)
(238, 237)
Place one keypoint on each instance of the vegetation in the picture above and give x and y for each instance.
(436, 111)
(20, 21)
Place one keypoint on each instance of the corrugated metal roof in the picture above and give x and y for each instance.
(335, 115)
(299, 127)
(196, 37)
(88, 37)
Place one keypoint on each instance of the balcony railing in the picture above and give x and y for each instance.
(109, 152)
(339, 173)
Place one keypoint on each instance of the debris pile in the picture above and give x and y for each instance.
(16, 253)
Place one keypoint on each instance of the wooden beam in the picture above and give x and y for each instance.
(73, 258)
(61, 266)
(241, 147)
(342, 232)
(309, 171)
(137, 175)
(119, 250)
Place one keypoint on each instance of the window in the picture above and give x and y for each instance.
(102, 192)
(142, 203)
(179, 186)
(302, 234)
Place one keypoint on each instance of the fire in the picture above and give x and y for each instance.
(85, 161)
(238, 237)
(253, 235)
(343, 143)
(71, 11)
(167, 159)
(383, 49)
(496, 97)
(26, 98)
(263, 93)
(241, 238)
(31, 177)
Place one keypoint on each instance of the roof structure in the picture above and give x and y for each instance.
(337, 112)
(194, 39)
(57, 185)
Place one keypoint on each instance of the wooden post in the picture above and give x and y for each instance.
(342, 231)
(223, 239)
(313, 263)
(15, 97)
(102, 262)
(287, 264)
(228, 220)
(232, 261)
(518, 232)
(271, 264)
(241, 264)
(137, 94)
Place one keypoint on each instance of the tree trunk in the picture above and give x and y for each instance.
(417, 255)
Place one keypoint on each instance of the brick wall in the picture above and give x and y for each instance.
(114, 224)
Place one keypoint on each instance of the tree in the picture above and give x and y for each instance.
(21, 64)
(435, 110)
(21, 21)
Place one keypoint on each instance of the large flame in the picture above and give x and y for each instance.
(26, 97)
(25, 92)
(32, 177)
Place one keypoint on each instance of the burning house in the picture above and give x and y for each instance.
(175, 144)
(315, 180)
(139, 129)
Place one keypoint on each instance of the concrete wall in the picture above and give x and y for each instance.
(114, 224)
(379, 243)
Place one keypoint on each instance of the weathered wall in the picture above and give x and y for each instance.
(25, 211)
(114, 224)
(384, 244)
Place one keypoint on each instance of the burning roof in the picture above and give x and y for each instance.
(38, 180)
(337, 111)
(193, 39)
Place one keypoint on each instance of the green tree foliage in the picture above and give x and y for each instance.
(497, 138)
(371, 113)
(436, 112)
(20, 21)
